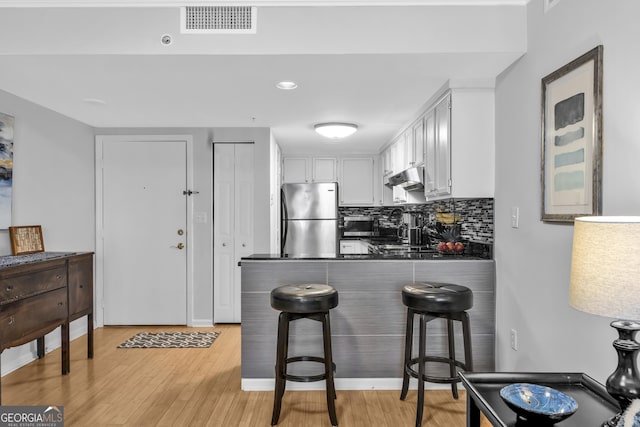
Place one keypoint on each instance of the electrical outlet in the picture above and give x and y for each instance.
(514, 339)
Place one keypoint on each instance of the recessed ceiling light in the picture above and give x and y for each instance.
(95, 101)
(335, 130)
(286, 85)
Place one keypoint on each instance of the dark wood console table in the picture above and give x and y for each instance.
(41, 291)
(595, 405)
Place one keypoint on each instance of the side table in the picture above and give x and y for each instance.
(595, 405)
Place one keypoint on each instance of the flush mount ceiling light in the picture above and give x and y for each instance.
(335, 130)
(286, 85)
(94, 101)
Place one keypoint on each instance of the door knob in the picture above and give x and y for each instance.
(243, 245)
(180, 245)
(224, 244)
(180, 232)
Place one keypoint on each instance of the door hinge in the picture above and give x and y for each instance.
(189, 192)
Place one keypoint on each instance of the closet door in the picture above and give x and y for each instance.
(233, 226)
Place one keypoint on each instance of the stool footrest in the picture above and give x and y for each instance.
(441, 380)
(307, 378)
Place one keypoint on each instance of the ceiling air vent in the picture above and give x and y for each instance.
(218, 19)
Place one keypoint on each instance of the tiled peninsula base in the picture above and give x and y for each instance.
(368, 325)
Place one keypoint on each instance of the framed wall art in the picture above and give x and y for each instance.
(6, 169)
(572, 139)
(26, 239)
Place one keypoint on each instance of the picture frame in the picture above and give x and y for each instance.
(572, 139)
(26, 239)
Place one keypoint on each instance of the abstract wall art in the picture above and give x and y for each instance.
(6, 169)
(572, 139)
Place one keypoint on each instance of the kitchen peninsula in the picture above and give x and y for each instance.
(368, 325)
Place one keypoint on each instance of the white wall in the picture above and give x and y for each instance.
(53, 185)
(533, 261)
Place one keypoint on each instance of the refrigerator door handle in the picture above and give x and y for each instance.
(285, 220)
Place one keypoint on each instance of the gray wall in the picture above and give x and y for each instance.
(533, 261)
(53, 185)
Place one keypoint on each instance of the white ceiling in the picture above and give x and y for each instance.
(373, 66)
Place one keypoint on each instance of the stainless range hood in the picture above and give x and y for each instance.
(411, 179)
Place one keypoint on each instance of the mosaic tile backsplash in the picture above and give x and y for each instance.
(476, 215)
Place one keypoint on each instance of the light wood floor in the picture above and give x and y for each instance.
(197, 387)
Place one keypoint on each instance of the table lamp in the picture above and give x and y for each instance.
(605, 280)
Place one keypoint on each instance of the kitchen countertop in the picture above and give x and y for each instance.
(424, 256)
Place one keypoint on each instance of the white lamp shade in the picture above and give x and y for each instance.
(605, 266)
(335, 130)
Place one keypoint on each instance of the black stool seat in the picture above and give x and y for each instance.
(437, 297)
(306, 301)
(309, 298)
(431, 301)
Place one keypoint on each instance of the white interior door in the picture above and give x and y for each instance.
(232, 225)
(144, 231)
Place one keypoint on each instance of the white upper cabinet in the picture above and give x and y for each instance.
(454, 139)
(309, 169)
(295, 169)
(356, 176)
(438, 165)
(324, 169)
(460, 153)
(356, 185)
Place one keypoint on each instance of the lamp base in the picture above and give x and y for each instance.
(613, 421)
(624, 383)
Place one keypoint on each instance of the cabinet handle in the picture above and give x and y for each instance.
(9, 288)
(12, 320)
(243, 245)
(81, 286)
(60, 304)
(224, 245)
(58, 276)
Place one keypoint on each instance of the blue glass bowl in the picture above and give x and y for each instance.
(537, 403)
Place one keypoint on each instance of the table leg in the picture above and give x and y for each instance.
(66, 356)
(473, 412)
(40, 347)
(90, 335)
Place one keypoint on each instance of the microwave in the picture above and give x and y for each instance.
(359, 226)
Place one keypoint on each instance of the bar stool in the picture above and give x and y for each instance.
(432, 301)
(309, 301)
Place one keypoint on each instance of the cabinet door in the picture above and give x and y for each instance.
(400, 154)
(80, 287)
(430, 153)
(324, 169)
(387, 169)
(295, 169)
(443, 147)
(417, 146)
(356, 181)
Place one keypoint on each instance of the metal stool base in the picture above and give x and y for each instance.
(282, 360)
(422, 358)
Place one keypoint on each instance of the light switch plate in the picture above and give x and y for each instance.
(515, 217)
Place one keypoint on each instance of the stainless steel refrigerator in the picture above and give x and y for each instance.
(309, 220)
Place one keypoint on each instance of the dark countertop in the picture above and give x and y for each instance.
(11, 260)
(411, 256)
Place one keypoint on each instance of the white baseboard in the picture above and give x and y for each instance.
(17, 357)
(267, 384)
(201, 323)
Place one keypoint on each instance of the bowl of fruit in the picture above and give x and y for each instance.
(450, 248)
